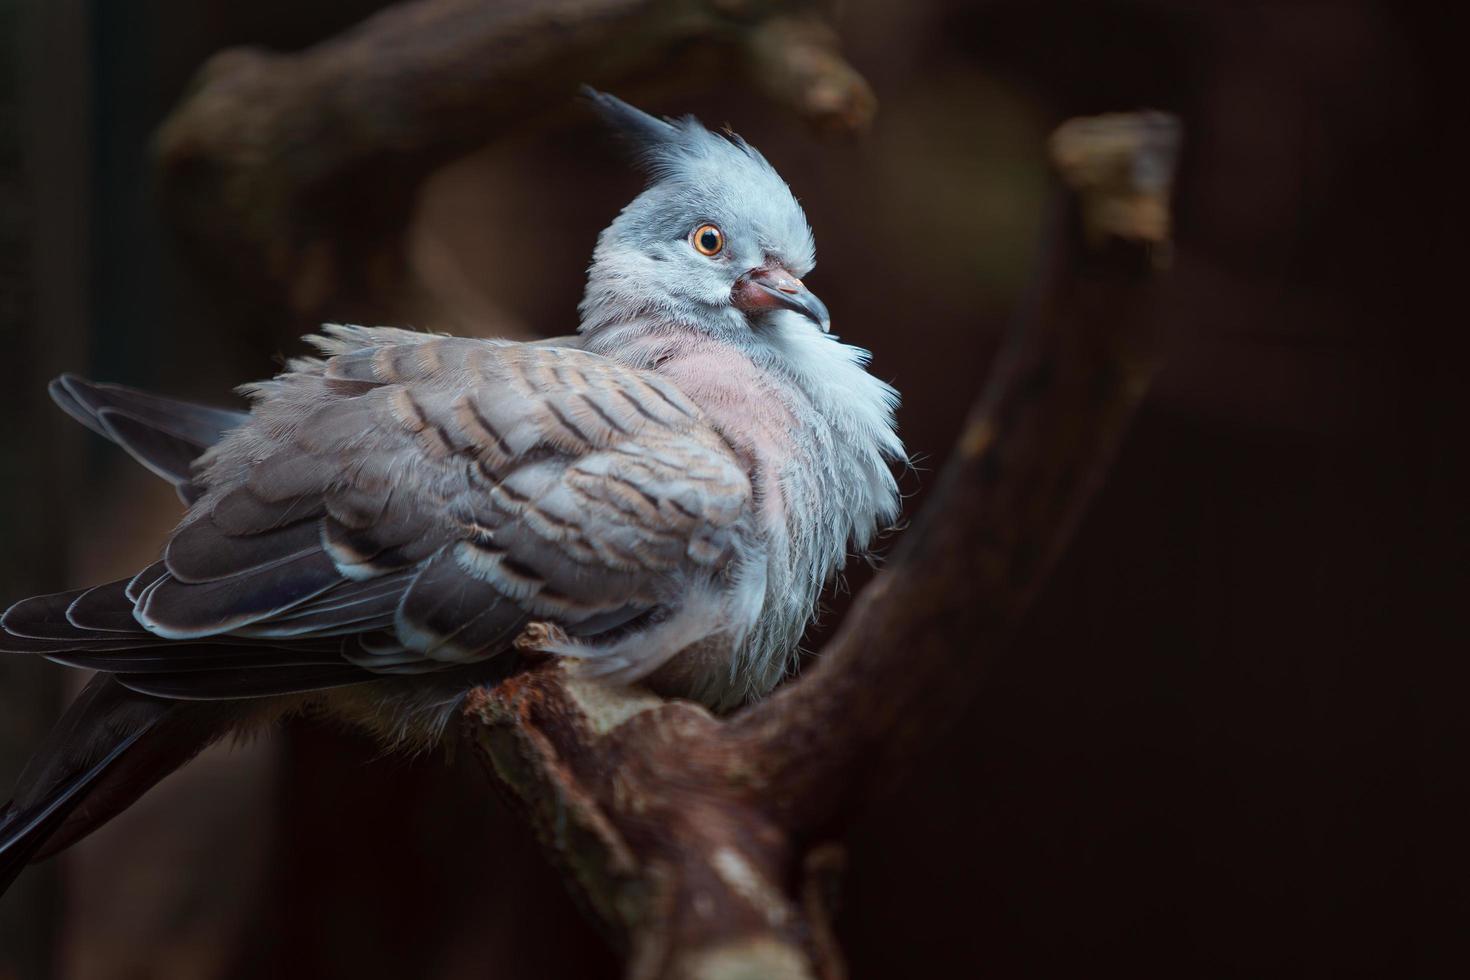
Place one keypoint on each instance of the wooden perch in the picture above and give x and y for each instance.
(703, 844)
(286, 171)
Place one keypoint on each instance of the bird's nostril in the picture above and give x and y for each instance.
(785, 281)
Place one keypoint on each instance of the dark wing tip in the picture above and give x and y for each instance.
(66, 390)
(70, 381)
(40, 616)
(73, 387)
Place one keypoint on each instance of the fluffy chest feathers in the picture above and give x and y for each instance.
(816, 433)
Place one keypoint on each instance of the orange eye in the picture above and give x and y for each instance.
(708, 240)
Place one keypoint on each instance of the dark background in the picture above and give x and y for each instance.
(1222, 746)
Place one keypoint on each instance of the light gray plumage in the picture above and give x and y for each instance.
(661, 498)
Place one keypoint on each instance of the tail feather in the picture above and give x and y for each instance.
(110, 748)
(116, 741)
(25, 831)
(163, 434)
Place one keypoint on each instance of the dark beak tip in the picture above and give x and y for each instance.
(806, 304)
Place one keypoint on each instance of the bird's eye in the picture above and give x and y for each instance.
(708, 240)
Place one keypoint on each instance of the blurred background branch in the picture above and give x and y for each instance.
(266, 164)
(693, 838)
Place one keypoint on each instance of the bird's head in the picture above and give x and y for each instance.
(715, 243)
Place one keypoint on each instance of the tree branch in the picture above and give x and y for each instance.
(1035, 445)
(691, 837)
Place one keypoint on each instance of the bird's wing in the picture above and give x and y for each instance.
(413, 501)
(164, 434)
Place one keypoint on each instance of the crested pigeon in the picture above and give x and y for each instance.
(659, 499)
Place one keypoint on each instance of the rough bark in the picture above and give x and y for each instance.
(703, 844)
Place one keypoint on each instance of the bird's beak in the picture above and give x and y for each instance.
(774, 288)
